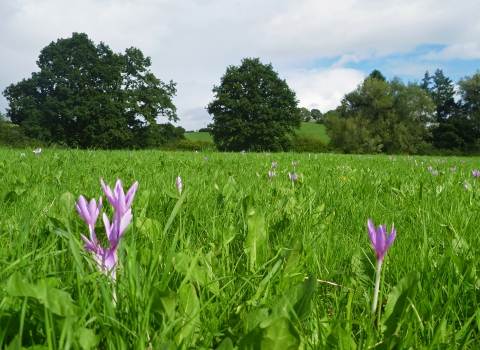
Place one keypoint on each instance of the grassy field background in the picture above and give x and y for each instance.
(317, 131)
(239, 260)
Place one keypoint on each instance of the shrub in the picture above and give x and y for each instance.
(305, 143)
(190, 145)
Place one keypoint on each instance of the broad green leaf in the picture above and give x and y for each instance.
(164, 302)
(226, 344)
(279, 335)
(256, 239)
(254, 318)
(189, 309)
(229, 188)
(57, 301)
(66, 203)
(398, 300)
(86, 338)
(297, 299)
(341, 339)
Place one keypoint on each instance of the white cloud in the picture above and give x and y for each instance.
(193, 41)
(470, 50)
(323, 89)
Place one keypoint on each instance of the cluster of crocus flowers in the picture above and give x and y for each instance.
(475, 173)
(178, 181)
(106, 258)
(380, 243)
(37, 151)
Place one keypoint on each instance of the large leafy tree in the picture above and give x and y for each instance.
(381, 116)
(253, 109)
(86, 96)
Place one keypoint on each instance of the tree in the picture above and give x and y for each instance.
(443, 92)
(376, 74)
(305, 114)
(381, 116)
(86, 96)
(469, 89)
(316, 115)
(253, 109)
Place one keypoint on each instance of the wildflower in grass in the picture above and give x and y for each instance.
(242, 152)
(271, 174)
(435, 172)
(89, 213)
(274, 165)
(267, 154)
(475, 173)
(380, 244)
(22, 154)
(465, 186)
(178, 181)
(196, 152)
(429, 168)
(293, 176)
(205, 159)
(294, 165)
(342, 167)
(453, 169)
(37, 151)
(106, 258)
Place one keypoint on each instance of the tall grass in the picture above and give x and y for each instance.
(239, 260)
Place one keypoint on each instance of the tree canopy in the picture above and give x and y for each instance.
(87, 96)
(381, 116)
(253, 109)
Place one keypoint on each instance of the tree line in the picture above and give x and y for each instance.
(87, 96)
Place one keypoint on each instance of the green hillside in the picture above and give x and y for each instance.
(311, 129)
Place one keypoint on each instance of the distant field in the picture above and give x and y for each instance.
(315, 130)
(199, 136)
(311, 129)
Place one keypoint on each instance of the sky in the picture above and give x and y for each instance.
(322, 48)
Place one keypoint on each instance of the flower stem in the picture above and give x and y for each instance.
(377, 286)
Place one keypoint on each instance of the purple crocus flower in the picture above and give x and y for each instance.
(37, 151)
(178, 181)
(271, 174)
(274, 165)
(294, 164)
(89, 213)
(379, 240)
(453, 169)
(430, 168)
(465, 186)
(293, 176)
(106, 258)
(475, 173)
(380, 244)
(242, 152)
(435, 172)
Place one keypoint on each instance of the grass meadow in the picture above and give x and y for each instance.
(239, 261)
(314, 130)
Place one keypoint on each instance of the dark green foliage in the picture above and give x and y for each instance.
(376, 74)
(305, 143)
(87, 96)
(381, 116)
(305, 113)
(253, 109)
(192, 145)
(316, 115)
(456, 127)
